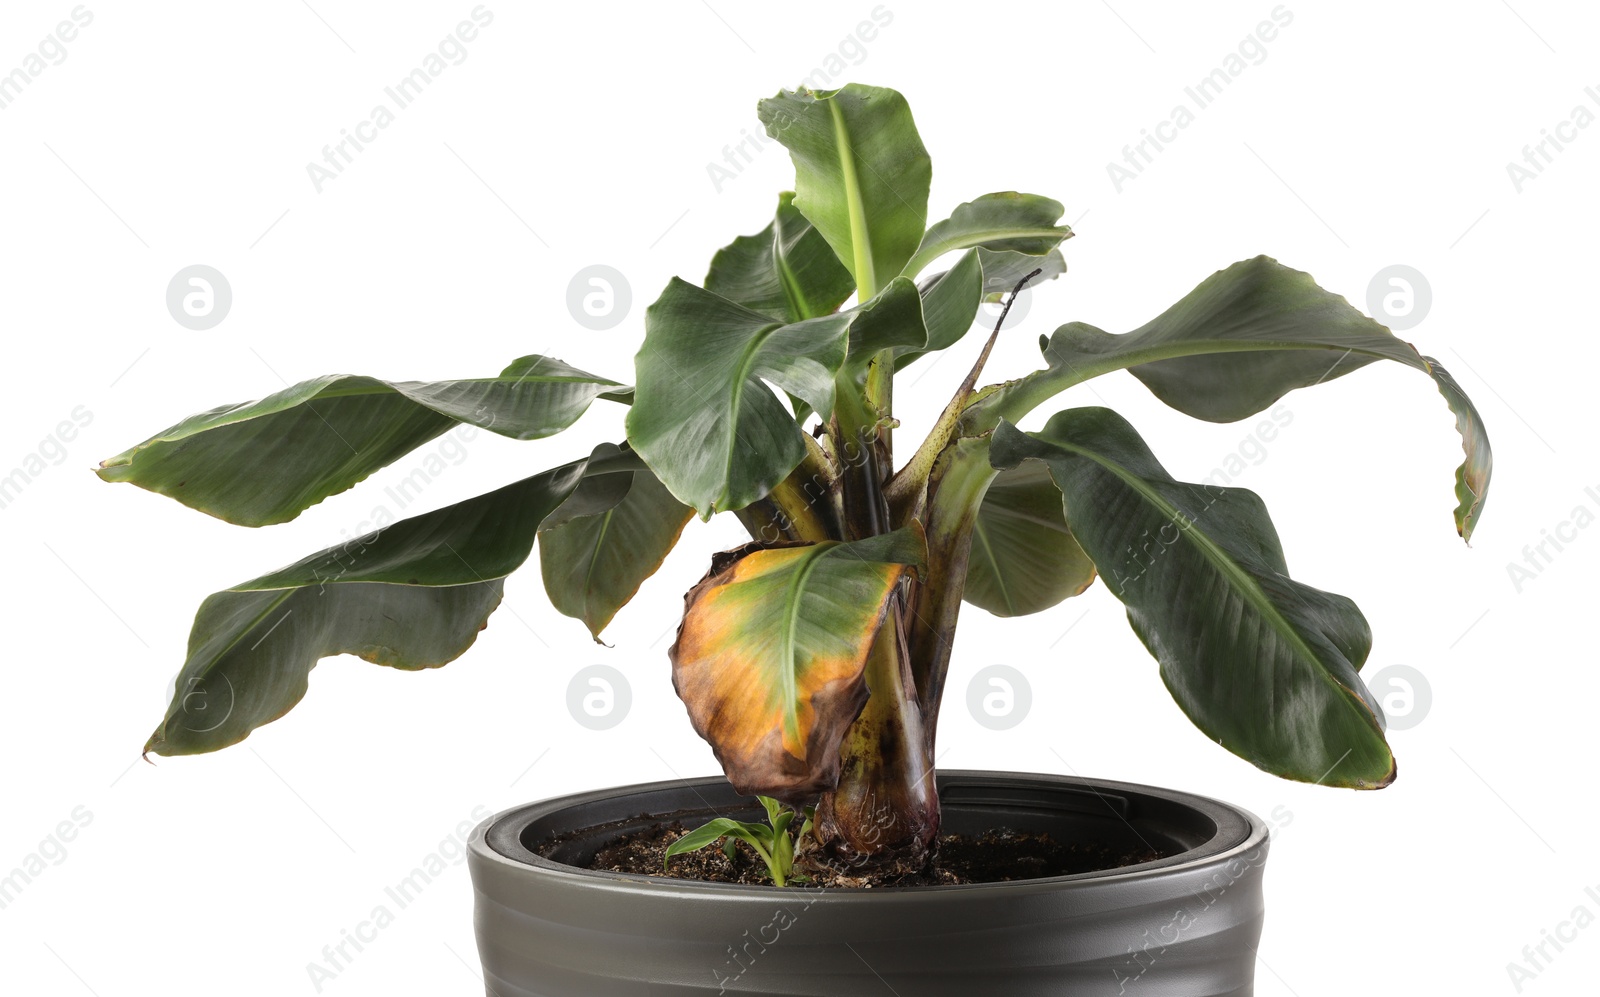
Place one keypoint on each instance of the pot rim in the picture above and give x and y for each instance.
(498, 839)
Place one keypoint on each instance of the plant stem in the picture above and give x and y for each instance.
(854, 432)
(957, 486)
(907, 492)
(801, 507)
(883, 817)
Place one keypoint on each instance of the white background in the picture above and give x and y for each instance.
(179, 133)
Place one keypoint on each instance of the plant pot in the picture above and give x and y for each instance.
(1183, 925)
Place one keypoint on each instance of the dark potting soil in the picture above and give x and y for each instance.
(997, 856)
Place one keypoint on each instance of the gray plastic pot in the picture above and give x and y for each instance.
(1183, 926)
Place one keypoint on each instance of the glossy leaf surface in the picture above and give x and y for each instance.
(612, 534)
(265, 462)
(787, 271)
(861, 174)
(1233, 346)
(1264, 665)
(1004, 222)
(413, 595)
(703, 416)
(1024, 557)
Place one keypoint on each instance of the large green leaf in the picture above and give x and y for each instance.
(266, 462)
(703, 418)
(861, 174)
(1024, 557)
(787, 271)
(413, 595)
(1233, 346)
(1262, 664)
(603, 542)
(770, 657)
(1003, 222)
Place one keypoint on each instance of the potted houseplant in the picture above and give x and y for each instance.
(813, 659)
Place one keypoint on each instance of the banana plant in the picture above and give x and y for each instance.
(814, 658)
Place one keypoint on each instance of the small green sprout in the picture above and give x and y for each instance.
(771, 841)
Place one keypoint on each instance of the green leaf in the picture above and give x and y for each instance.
(714, 831)
(861, 174)
(265, 462)
(950, 300)
(949, 304)
(1233, 346)
(613, 533)
(891, 320)
(782, 865)
(770, 657)
(1262, 664)
(1002, 222)
(787, 272)
(703, 418)
(1024, 557)
(412, 595)
(1002, 270)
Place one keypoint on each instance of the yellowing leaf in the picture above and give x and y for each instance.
(770, 657)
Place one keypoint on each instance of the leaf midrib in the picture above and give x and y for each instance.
(793, 293)
(967, 240)
(1231, 569)
(742, 371)
(860, 246)
(787, 679)
(982, 534)
(380, 389)
(1063, 373)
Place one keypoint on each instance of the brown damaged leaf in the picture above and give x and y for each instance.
(771, 653)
